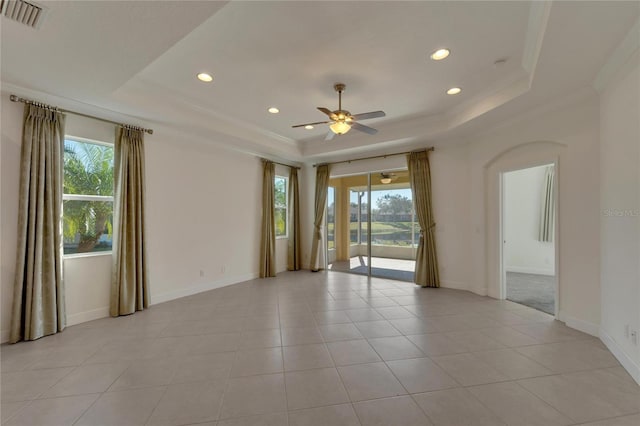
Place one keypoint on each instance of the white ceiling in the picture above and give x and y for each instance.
(141, 58)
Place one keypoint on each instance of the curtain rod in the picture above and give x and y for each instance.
(15, 98)
(378, 156)
(282, 164)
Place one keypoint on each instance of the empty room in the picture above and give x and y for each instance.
(297, 213)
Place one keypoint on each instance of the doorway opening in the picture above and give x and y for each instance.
(529, 270)
(371, 225)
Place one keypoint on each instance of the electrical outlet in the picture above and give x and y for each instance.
(634, 337)
(223, 269)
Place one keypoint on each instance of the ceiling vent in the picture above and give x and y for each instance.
(23, 12)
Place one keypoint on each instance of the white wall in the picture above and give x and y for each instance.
(620, 214)
(567, 132)
(203, 206)
(523, 252)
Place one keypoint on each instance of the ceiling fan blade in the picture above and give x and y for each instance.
(368, 115)
(311, 124)
(363, 128)
(329, 136)
(326, 111)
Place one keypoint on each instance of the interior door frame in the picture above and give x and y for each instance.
(556, 231)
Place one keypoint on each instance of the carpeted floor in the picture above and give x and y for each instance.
(535, 291)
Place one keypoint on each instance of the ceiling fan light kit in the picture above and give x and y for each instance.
(341, 121)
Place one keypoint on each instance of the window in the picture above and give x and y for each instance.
(281, 206)
(87, 200)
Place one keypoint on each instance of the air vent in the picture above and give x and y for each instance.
(26, 13)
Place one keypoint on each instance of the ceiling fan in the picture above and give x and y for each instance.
(386, 178)
(342, 120)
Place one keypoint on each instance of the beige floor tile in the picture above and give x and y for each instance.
(54, 411)
(257, 361)
(370, 381)
(305, 357)
(577, 401)
(9, 408)
(302, 319)
(131, 408)
(223, 342)
(349, 352)
(513, 364)
(335, 415)
(394, 312)
(401, 410)
(87, 379)
(186, 403)
(314, 388)
(553, 358)
(456, 407)
(196, 368)
(518, 407)
(366, 314)
(398, 347)
(25, 385)
(145, 373)
(262, 322)
(421, 375)
(370, 329)
(255, 339)
(632, 420)
(414, 325)
(332, 317)
(435, 344)
(550, 332)
(300, 336)
(246, 396)
(468, 369)
(475, 340)
(279, 419)
(70, 356)
(335, 332)
(509, 337)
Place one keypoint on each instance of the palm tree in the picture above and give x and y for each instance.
(88, 170)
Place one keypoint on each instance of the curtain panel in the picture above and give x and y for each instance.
(320, 204)
(547, 213)
(426, 272)
(129, 285)
(268, 233)
(38, 296)
(293, 253)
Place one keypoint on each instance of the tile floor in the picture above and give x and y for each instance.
(326, 349)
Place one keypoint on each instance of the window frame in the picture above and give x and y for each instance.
(286, 206)
(82, 197)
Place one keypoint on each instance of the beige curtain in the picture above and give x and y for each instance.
(268, 234)
(129, 285)
(322, 186)
(426, 273)
(547, 213)
(293, 253)
(38, 295)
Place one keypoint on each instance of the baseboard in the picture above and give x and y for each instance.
(455, 285)
(527, 270)
(91, 315)
(199, 288)
(629, 364)
(580, 325)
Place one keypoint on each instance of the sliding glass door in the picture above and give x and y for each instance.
(371, 225)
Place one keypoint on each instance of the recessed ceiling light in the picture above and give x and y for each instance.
(273, 110)
(203, 76)
(440, 54)
(308, 127)
(454, 91)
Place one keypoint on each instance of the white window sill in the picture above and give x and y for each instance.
(81, 255)
(282, 237)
